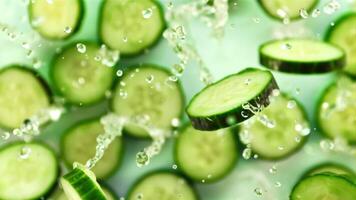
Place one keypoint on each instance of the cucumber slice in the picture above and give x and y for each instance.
(161, 186)
(80, 184)
(205, 156)
(22, 94)
(281, 9)
(131, 26)
(331, 168)
(285, 134)
(27, 171)
(336, 110)
(303, 56)
(146, 92)
(60, 195)
(56, 19)
(343, 34)
(80, 74)
(225, 102)
(78, 144)
(324, 186)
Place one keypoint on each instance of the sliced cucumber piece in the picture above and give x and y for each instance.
(147, 93)
(331, 168)
(27, 171)
(78, 144)
(162, 186)
(286, 9)
(278, 131)
(56, 19)
(80, 184)
(131, 26)
(343, 34)
(22, 94)
(336, 110)
(303, 56)
(225, 103)
(205, 156)
(80, 74)
(60, 195)
(324, 186)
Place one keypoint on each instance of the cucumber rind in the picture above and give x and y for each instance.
(291, 18)
(221, 120)
(53, 185)
(300, 67)
(132, 68)
(163, 171)
(38, 77)
(311, 171)
(153, 43)
(199, 179)
(73, 31)
(69, 165)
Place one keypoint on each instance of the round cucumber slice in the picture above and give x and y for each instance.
(285, 132)
(226, 102)
(331, 168)
(281, 9)
(56, 19)
(336, 110)
(161, 186)
(146, 92)
(60, 195)
(131, 26)
(22, 94)
(78, 144)
(80, 74)
(324, 186)
(343, 34)
(27, 170)
(205, 155)
(80, 184)
(303, 56)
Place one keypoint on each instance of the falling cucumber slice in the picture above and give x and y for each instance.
(80, 184)
(303, 56)
(231, 100)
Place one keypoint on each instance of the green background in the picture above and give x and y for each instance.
(237, 50)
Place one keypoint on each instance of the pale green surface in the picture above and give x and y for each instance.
(236, 51)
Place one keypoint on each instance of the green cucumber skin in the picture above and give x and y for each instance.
(210, 180)
(76, 29)
(164, 171)
(56, 88)
(53, 186)
(300, 67)
(279, 19)
(303, 141)
(110, 189)
(70, 165)
(42, 81)
(337, 23)
(332, 164)
(220, 120)
(152, 66)
(154, 43)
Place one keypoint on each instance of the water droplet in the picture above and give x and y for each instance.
(258, 191)
(150, 78)
(142, 159)
(139, 196)
(247, 81)
(231, 120)
(246, 154)
(297, 139)
(286, 46)
(67, 29)
(174, 167)
(81, 81)
(36, 63)
(316, 13)
(291, 104)
(203, 180)
(25, 45)
(282, 13)
(5, 135)
(124, 39)
(147, 13)
(175, 122)
(332, 24)
(327, 145)
(273, 169)
(306, 131)
(281, 148)
(25, 152)
(286, 20)
(276, 92)
(123, 93)
(256, 20)
(298, 127)
(297, 91)
(173, 78)
(331, 7)
(119, 73)
(277, 184)
(179, 32)
(178, 69)
(244, 114)
(81, 48)
(303, 13)
(170, 5)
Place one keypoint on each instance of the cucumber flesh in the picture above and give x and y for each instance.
(80, 74)
(57, 19)
(80, 184)
(331, 168)
(79, 144)
(343, 34)
(218, 103)
(148, 92)
(205, 156)
(161, 186)
(27, 170)
(301, 56)
(324, 186)
(131, 26)
(22, 95)
(60, 195)
(285, 134)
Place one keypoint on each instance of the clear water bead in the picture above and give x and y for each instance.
(81, 48)
(258, 191)
(147, 13)
(67, 29)
(119, 73)
(25, 152)
(246, 154)
(303, 13)
(142, 159)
